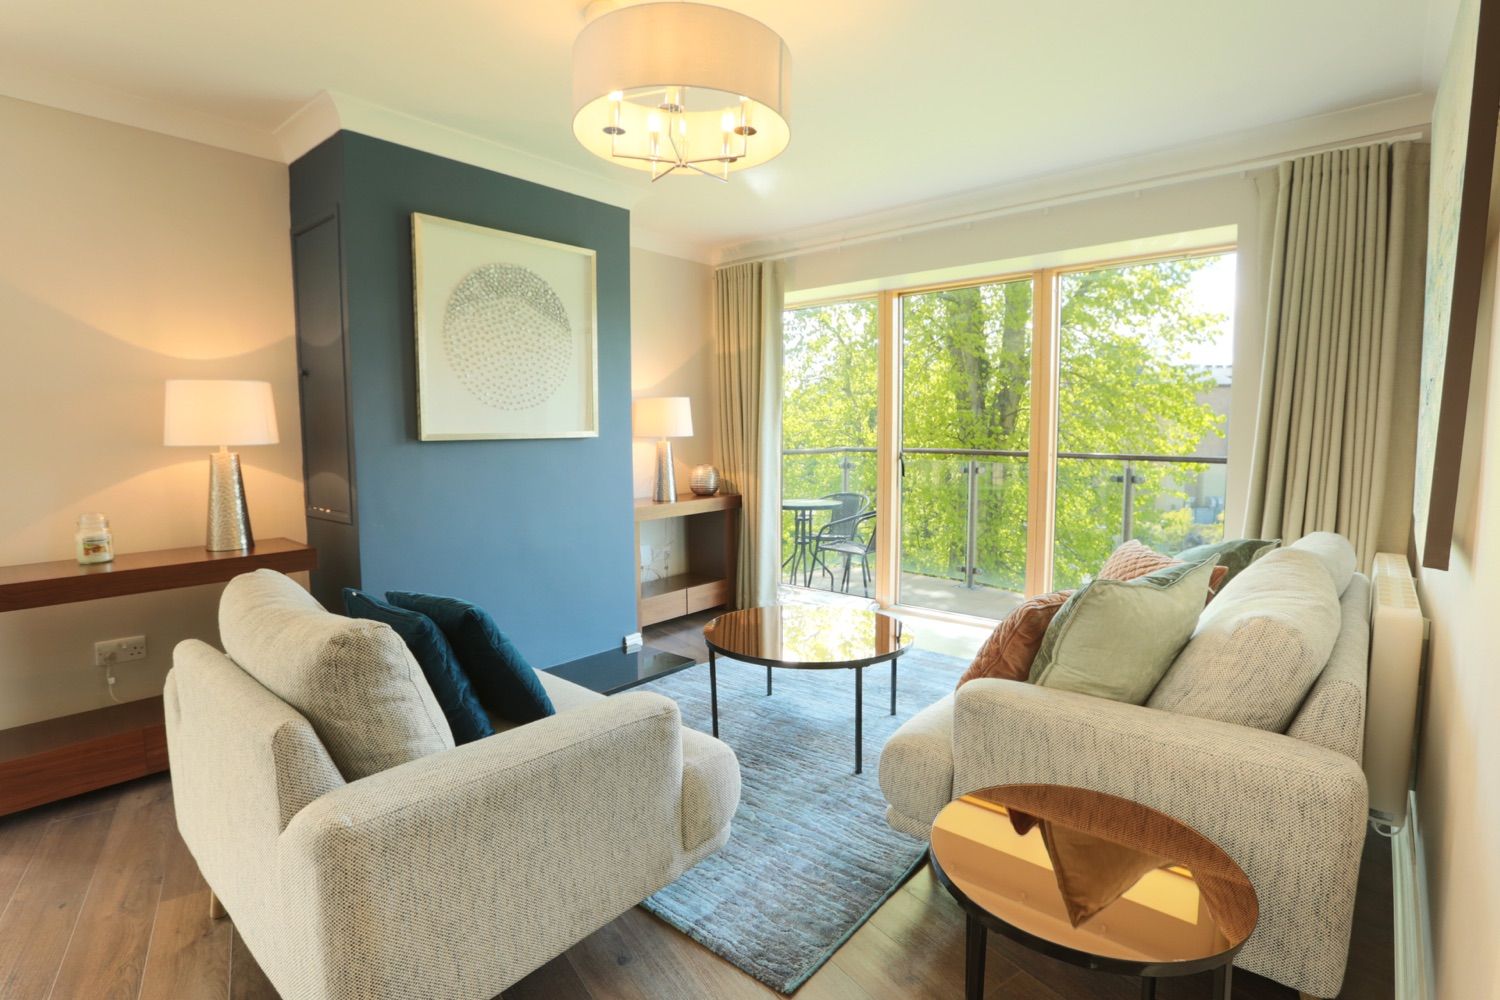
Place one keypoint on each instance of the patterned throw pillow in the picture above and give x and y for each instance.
(1008, 652)
(1234, 554)
(1132, 560)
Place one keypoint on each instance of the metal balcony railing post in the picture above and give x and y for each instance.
(971, 547)
(844, 463)
(1127, 521)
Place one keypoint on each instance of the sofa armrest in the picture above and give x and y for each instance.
(1290, 813)
(458, 873)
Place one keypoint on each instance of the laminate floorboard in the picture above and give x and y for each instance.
(100, 898)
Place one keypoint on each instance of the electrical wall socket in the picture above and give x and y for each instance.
(119, 650)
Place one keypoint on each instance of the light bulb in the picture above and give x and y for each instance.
(726, 123)
(653, 123)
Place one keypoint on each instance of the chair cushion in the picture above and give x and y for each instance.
(1259, 646)
(1115, 639)
(504, 681)
(1008, 652)
(1334, 551)
(435, 656)
(354, 681)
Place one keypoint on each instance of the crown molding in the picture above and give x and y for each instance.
(331, 111)
(1217, 156)
(96, 101)
(668, 244)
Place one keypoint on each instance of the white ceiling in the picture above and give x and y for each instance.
(892, 102)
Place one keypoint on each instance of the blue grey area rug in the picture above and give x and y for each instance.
(810, 857)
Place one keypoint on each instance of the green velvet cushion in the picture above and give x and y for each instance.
(1234, 554)
(1116, 638)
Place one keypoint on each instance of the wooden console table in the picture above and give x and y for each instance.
(712, 525)
(57, 758)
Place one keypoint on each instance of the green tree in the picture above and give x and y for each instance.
(1125, 387)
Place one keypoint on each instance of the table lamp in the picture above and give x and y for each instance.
(663, 418)
(222, 412)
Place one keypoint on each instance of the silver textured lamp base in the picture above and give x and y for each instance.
(666, 480)
(228, 517)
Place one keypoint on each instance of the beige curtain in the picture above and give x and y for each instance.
(747, 332)
(1335, 425)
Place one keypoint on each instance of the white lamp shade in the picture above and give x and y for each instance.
(662, 417)
(215, 412)
(628, 62)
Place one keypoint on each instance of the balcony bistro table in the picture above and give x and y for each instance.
(802, 533)
(1095, 880)
(805, 637)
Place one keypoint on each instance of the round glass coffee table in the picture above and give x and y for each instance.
(1094, 880)
(804, 637)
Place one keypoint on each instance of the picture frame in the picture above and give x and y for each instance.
(1463, 158)
(507, 341)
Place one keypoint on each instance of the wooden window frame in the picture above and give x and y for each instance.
(1046, 336)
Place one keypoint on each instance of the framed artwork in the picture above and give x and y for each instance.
(1463, 156)
(507, 334)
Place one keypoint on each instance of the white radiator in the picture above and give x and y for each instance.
(1396, 634)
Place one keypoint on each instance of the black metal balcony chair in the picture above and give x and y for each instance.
(840, 528)
(860, 543)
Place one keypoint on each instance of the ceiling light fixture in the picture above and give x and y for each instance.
(681, 86)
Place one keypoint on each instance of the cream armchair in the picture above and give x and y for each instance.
(452, 875)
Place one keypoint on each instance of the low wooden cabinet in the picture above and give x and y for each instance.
(711, 527)
(57, 758)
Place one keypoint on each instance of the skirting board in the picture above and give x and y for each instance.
(1414, 971)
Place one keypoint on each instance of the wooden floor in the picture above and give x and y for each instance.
(99, 898)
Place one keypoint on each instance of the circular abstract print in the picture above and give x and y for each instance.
(508, 336)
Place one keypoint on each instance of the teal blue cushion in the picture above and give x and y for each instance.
(506, 683)
(435, 656)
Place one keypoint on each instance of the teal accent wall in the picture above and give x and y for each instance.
(539, 532)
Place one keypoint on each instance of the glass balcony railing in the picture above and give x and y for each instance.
(964, 516)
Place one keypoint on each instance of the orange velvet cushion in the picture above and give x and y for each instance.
(1008, 652)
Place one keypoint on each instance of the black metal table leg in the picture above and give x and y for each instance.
(859, 719)
(1224, 982)
(768, 682)
(1148, 988)
(974, 942)
(713, 692)
(893, 687)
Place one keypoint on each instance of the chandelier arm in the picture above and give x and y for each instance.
(693, 165)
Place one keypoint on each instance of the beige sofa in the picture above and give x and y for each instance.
(451, 875)
(1289, 807)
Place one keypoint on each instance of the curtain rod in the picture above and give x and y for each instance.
(1039, 204)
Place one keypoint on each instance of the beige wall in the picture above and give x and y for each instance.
(127, 258)
(1458, 781)
(1128, 223)
(671, 354)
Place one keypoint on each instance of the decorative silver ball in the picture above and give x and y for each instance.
(705, 480)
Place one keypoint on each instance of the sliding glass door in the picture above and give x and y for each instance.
(965, 428)
(958, 447)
